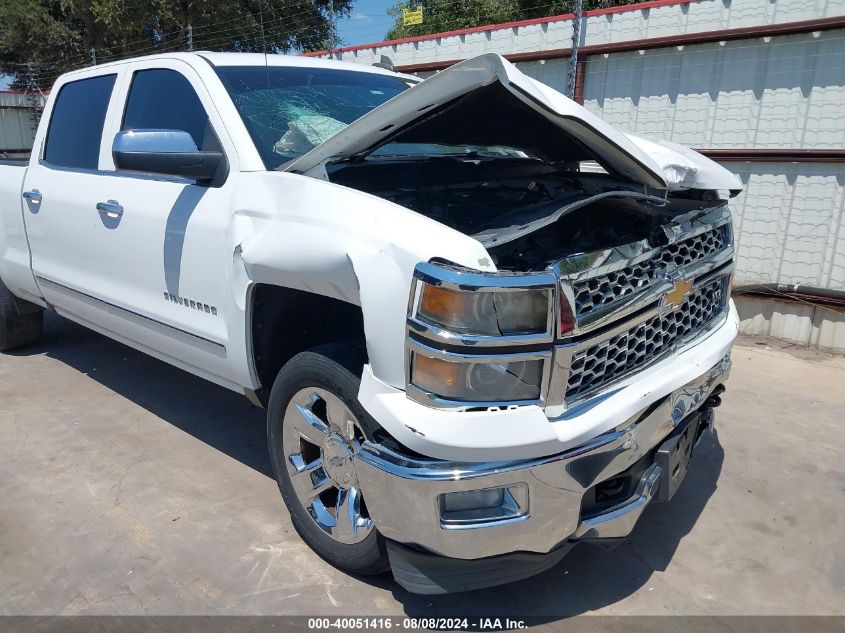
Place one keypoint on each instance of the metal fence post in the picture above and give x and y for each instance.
(573, 56)
(332, 42)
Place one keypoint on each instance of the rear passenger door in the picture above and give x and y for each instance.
(62, 224)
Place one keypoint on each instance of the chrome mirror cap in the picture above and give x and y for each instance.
(154, 141)
(168, 153)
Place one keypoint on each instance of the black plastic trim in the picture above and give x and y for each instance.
(426, 573)
(208, 168)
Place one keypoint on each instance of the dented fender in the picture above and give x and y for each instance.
(307, 234)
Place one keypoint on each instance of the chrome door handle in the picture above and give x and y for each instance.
(33, 196)
(111, 209)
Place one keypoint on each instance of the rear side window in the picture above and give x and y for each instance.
(166, 100)
(76, 125)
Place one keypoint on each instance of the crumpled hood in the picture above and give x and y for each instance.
(684, 168)
(653, 164)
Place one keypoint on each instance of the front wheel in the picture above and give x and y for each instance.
(314, 429)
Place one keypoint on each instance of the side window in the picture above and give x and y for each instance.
(76, 125)
(164, 99)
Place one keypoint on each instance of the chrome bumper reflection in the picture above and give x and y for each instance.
(403, 493)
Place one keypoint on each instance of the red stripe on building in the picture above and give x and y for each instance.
(640, 6)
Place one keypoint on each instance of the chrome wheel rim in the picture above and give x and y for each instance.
(320, 439)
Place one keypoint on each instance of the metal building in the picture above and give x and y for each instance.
(19, 113)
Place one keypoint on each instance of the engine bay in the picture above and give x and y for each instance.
(526, 212)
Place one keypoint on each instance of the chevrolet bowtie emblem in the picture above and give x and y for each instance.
(679, 291)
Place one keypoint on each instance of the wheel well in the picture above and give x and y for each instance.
(286, 322)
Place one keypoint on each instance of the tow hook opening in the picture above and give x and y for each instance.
(606, 494)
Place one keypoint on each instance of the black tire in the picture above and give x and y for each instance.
(335, 368)
(18, 329)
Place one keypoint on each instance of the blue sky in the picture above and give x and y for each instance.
(367, 23)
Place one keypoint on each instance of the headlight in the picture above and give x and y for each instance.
(459, 320)
(478, 381)
(485, 312)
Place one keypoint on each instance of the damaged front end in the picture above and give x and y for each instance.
(586, 324)
(545, 303)
(611, 251)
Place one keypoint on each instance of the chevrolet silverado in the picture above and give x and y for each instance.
(485, 325)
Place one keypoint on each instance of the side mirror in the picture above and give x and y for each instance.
(168, 152)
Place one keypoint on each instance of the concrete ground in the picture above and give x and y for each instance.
(130, 487)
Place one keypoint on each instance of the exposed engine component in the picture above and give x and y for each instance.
(528, 214)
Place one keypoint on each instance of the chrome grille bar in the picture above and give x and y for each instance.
(595, 367)
(602, 290)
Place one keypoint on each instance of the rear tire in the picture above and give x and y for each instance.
(314, 426)
(18, 329)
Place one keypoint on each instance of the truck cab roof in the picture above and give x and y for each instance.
(216, 59)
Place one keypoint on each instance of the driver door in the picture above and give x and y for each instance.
(163, 253)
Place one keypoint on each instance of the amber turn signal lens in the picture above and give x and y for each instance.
(439, 302)
(459, 310)
(477, 381)
(433, 371)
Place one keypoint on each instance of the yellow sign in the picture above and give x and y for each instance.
(410, 18)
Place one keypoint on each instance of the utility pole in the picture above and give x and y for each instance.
(190, 38)
(573, 57)
(35, 98)
(331, 28)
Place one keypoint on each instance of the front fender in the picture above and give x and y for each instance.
(307, 234)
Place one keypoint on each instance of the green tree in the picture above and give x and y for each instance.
(450, 15)
(57, 35)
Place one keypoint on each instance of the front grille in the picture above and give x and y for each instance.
(694, 248)
(630, 351)
(603, 290)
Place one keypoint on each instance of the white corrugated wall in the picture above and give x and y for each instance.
(787, 92)
(634, 24)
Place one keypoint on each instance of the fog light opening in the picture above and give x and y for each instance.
(481, 508)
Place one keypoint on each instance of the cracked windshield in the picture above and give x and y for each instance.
(288, 111)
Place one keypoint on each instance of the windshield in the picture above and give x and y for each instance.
(289, 110)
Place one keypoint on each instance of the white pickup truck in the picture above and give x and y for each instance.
(485, 324)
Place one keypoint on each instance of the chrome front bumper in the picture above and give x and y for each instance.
(543, 497)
